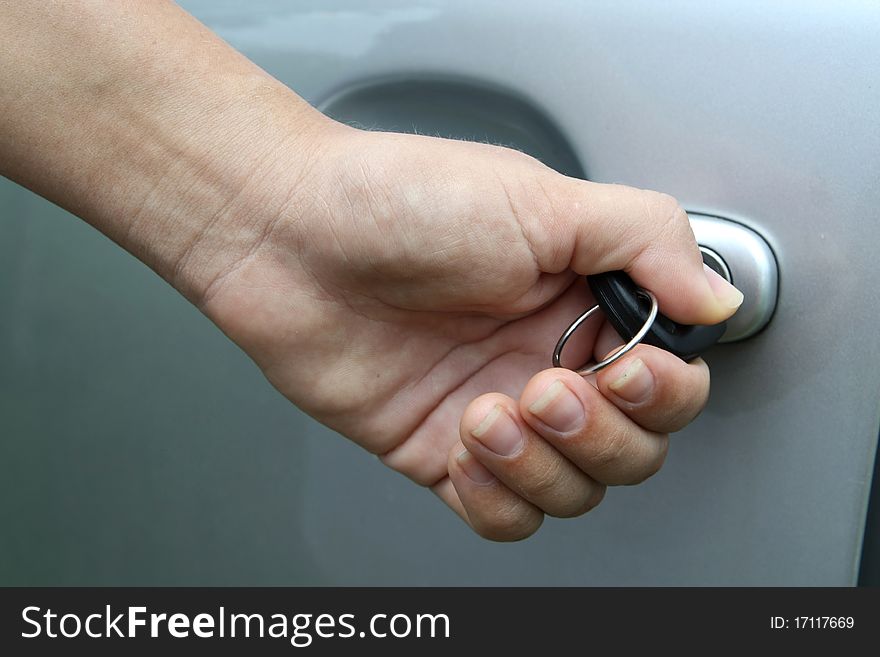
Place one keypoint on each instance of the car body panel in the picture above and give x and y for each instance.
(141, 447)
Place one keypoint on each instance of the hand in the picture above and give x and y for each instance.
(409, 295)
(406, 291)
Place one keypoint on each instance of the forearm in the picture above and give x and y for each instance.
(135, 117)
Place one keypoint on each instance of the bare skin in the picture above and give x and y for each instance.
(403, 290)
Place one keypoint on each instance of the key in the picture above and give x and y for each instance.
(627, 310)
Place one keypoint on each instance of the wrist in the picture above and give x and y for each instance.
(151, 129)
(241, 170)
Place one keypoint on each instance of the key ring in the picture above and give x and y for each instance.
(585, 371)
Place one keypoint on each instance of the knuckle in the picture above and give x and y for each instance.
(511, 524)
(655, 462)
(597, 495)
(513, 155)
(666, 215)
(680, 393)
(554, 485)
(607, 450)
(577, 505)
(676, 406)
(664, 222)
(542, 482)
(678, 417)
(663, 206)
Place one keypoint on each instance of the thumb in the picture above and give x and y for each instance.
(593, 228)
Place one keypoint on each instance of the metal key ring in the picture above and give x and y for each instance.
(642, 332)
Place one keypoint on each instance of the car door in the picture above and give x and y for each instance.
(141, 447)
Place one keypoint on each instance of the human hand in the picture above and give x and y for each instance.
(406, 291)
(409, 295)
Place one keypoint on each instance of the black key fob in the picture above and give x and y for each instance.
(627, 310)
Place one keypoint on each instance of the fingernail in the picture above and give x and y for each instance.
(499, 433)
(474, 470)
(727, 295)
(559, 408)
(635, 384)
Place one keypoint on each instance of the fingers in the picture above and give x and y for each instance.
(492, 510)
(493, 431)
(590, 431)
(505, 476)
(556, 449)
(592, 228)
(656, 389)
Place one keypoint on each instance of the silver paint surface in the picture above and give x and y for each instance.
(138, 446)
